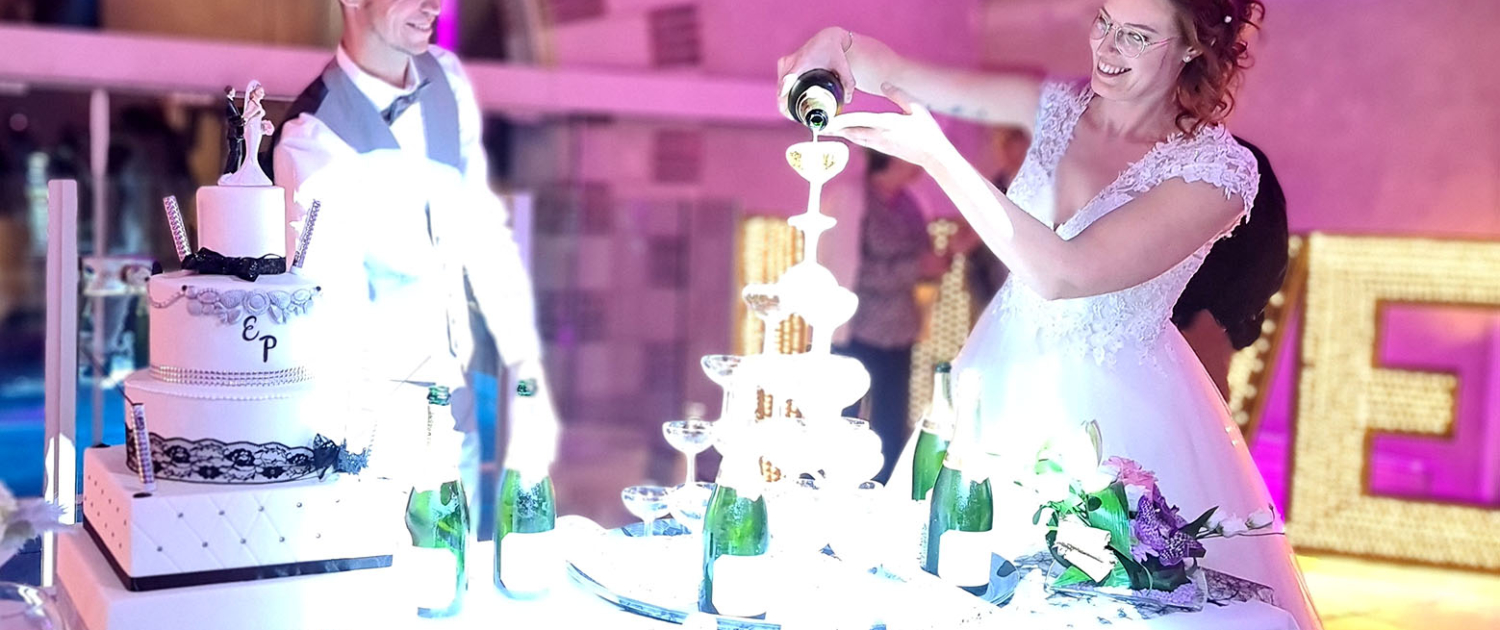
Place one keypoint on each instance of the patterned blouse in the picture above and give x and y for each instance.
(893, 240)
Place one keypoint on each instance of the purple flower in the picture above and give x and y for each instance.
(1158, 527)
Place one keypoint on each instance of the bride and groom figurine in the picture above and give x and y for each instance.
(245, 129)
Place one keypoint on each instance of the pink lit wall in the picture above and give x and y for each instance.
(1380, 117)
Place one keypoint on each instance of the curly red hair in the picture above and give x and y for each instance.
(1205, 89)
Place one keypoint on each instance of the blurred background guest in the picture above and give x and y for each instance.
(895, 254)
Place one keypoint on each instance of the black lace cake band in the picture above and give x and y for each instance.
(217, 462)
(212, 263)
(218, 378)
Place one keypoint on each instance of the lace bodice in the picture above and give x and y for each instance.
(1099, 326)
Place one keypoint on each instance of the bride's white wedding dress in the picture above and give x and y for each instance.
(1116, 358)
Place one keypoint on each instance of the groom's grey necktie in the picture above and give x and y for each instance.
(403, 102)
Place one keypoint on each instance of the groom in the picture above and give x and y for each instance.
(388, 139)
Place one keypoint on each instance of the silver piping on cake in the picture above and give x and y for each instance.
(218, 378)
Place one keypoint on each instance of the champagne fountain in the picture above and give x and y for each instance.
(813, 488)
(817, 383)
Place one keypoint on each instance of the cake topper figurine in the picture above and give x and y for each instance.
(234, 133)
(255, 125)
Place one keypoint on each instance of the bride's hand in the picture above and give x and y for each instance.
(913, 136)
(825, 50)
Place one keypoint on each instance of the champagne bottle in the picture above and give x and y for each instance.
(525, 508)
(815, 98)
(932, 446)
(735, 538)
(437, 516)
(962, 510)
(937, 431)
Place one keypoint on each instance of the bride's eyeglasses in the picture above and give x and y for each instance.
(1128, 41)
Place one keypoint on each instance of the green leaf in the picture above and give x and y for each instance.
(1139, 577)
(1112, 516)
(1197, 525)
(1168, 578)
(1047, 466)
(1058, 511)
(1118, 576)
(1073, 575)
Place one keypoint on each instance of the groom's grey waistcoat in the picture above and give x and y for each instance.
(333, 99)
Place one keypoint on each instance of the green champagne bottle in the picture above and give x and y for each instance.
(437, 516)
(815, 98)
(937, 430)
(735, 538)
(525, 510)
(962, 510)
(932, 447)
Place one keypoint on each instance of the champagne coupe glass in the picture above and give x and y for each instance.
(689, 504)
(720, 369)
(689, 437)
(647, 503)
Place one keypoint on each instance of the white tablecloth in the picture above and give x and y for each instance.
(571, 607)
(566, 606)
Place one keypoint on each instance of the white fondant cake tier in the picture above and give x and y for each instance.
(352, 600)
(185, 528)
(222, 329)
(242, 221)
(290, 415)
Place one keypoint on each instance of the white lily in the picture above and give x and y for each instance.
(1052, 487)
(1261, 519)
(1073, 450)
(1226, 524)
(1094, 481)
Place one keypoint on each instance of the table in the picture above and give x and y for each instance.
(569, 606)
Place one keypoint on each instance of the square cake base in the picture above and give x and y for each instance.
(353, 600)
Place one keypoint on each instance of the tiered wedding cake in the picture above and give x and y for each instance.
(251, 525)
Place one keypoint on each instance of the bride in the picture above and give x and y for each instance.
(1128, 184)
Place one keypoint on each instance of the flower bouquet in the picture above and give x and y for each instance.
(1112, 532)
(23, 520)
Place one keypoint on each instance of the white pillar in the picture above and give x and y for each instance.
(61, 376)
